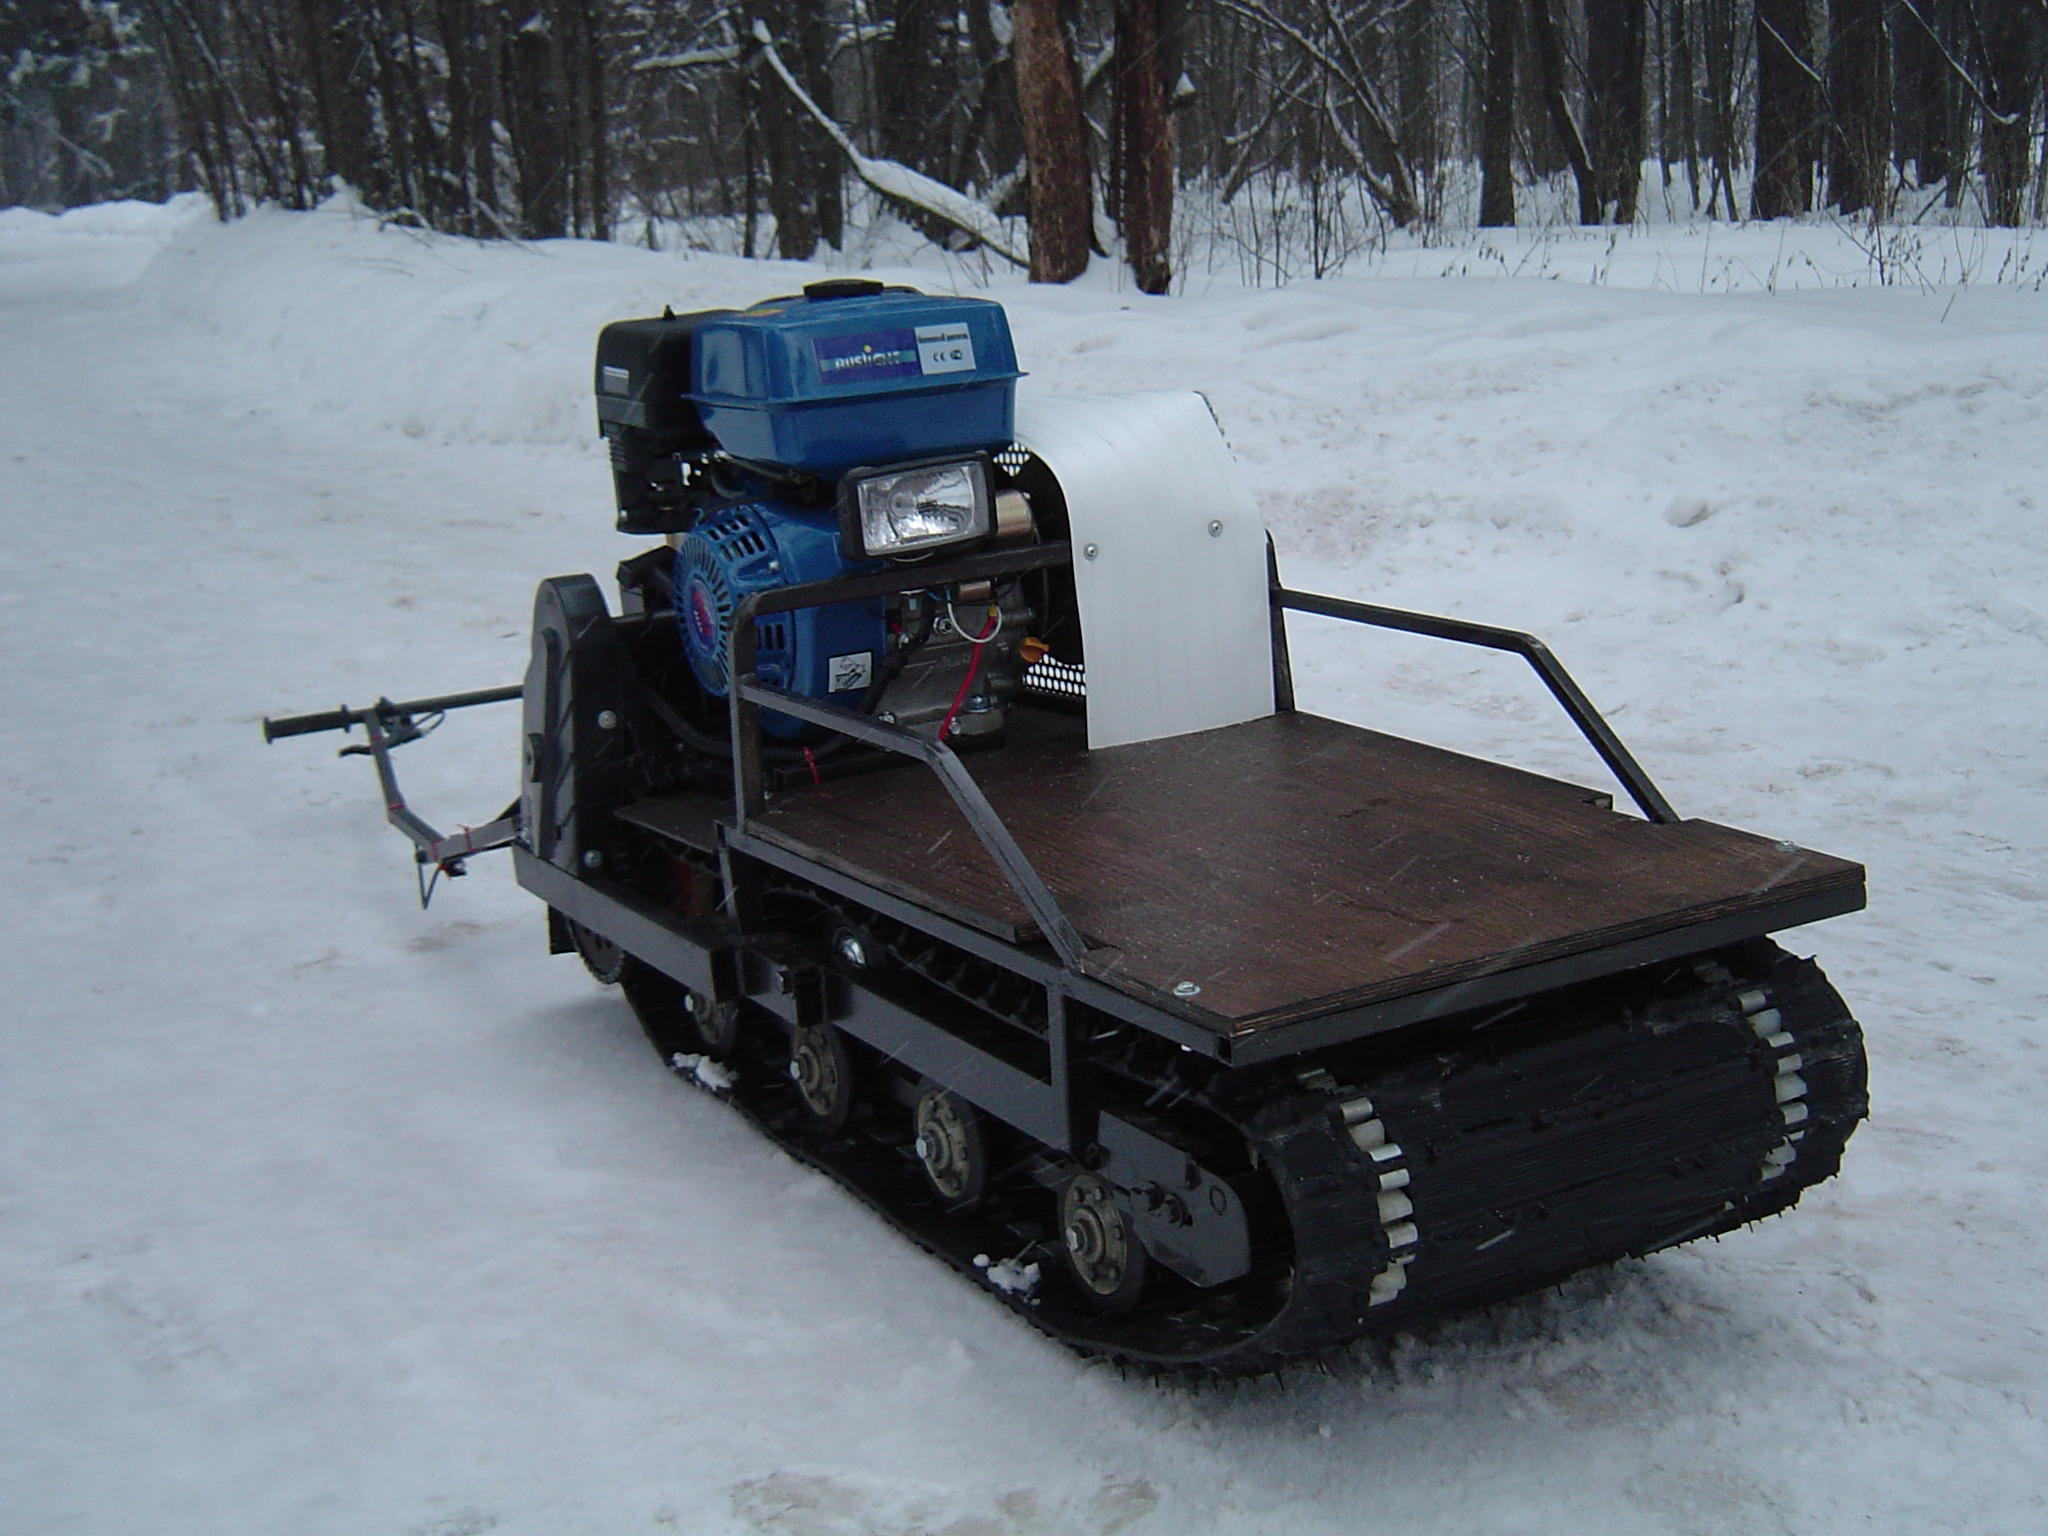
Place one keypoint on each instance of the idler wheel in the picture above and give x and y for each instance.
(716, 1025)
(1102, 1250)
(952, 1148)
(822, 1069)
(600, 956)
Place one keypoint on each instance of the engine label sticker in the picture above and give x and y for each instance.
(845, 673)
(945, 348)
(867, 355)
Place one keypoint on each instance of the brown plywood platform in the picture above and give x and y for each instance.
(1292, 865)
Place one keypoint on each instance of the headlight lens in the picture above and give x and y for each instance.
(912, 509)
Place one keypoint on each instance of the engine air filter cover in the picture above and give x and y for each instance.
(853, 373)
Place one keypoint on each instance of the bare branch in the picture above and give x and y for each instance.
(893, 179)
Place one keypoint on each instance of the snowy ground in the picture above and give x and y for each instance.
(319, 1214)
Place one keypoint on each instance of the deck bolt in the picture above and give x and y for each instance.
(1186, 989)
(592, 858)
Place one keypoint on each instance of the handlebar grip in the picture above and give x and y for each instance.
(305, 725)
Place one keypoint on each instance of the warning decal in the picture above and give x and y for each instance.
(845, 673)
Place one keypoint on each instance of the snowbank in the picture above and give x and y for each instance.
(323, 1214)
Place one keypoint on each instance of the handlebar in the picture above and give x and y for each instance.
(344, 718)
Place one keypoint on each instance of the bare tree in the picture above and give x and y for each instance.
(2007, 35)
(1859, 108)
(1615, 31)
(1785, 96)
(1143, 145)
(1341, 50)
(1055, 145)
(1497, 136)
(1550, 59)
(1311, 126)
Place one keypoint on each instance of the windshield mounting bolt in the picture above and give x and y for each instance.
(1089, 551)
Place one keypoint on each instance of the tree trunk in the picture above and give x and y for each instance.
(910, 96)
(1685, 86)
(1143, 146)
(812, 33)
(1421, 120)
(531, 121)
(457, 19)
(599, 174)
(1860, 127)
(1718, 28)
(2010, 36)
(1784, 110)
(1055, 146)
(1497, 122)
(1921, 83)
(1614, 103)
(803, 164)
(1550, 58)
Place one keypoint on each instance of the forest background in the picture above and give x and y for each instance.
(1295, 134)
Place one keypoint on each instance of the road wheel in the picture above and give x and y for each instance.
(952, 1148)
(716, 1025)
(1103, 1251)
(822, 1069)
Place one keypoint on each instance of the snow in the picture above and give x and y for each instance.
(712, 1076)
(323, 1214)
(1009, 1274)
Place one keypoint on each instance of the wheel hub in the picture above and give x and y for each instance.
(945, 1145)
(1098, 1242)
(816, 1071)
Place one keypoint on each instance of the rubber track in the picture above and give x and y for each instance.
(1604, 1121)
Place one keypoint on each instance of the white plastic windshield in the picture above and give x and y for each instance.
(1173, 599)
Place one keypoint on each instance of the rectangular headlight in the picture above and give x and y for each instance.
(926, 506)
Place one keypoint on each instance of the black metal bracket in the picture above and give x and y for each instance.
(1567, 693)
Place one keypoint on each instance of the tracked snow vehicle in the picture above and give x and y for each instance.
(937, 795)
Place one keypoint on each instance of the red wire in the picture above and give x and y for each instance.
(812, 764)
(995, 621)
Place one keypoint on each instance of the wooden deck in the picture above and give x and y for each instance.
(1293, 865)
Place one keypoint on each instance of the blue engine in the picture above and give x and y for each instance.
(823, 653)
(797, 390)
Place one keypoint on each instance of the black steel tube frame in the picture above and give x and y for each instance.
(1596, 730)
(747, 694)
(967, 795)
